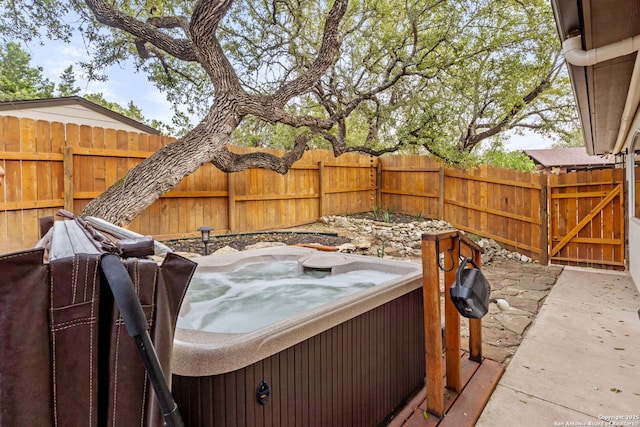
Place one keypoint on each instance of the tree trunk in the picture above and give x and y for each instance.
(163, 170)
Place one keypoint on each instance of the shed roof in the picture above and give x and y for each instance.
(567, 157)
(8, 107)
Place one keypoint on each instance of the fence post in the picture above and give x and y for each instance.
(231, 201)
(544, 221)
(321, 187)
(378, 184)
(441, 193)
(67, 166)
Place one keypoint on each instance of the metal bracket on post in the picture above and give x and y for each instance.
(450, 252)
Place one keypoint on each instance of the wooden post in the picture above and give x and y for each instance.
(321, 187)
(475, 326)
(441, 193)
(450, 243)
(231, 202)
(67, 166)
(432, 325)
(544, 222)
(378, 185)
(451, 248)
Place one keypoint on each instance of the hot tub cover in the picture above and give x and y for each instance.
(66, 357)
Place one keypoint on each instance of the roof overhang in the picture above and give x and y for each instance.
(9, 106)
(601, 39)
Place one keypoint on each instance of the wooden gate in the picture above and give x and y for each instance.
(586, 219)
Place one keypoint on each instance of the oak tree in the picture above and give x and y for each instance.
(372, 76)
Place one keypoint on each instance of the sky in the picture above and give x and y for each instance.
(125, 84)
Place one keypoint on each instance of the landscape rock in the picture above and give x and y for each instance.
(347, 248)
(226, 250)
(261, 245)
(404, 239)
(357, 234)
(361, 243)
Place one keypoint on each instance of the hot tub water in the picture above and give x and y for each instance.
(254, 295)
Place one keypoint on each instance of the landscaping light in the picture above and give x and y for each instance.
(206, 235)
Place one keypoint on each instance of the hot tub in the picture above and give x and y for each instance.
(352, 361)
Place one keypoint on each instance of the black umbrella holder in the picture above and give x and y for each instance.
(71, 354)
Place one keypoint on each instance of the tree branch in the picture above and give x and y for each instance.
(170, 22)
(263, 107)
(340, 147)
(107, 15)
(228, 162)
(470, 142)
(331, 41)
(205, 19)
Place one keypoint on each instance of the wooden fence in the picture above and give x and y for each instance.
(412, 184)
(38, 160)
(587, 225)
(52, 165)
(504, 205)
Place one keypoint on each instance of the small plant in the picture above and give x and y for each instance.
(419, 216)
(379, 215)
(381, 250)
(376, 213)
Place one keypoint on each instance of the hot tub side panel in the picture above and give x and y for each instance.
(354, 374)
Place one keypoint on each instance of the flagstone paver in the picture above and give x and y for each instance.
(525, 286)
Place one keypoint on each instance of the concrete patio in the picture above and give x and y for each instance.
(580, 359)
